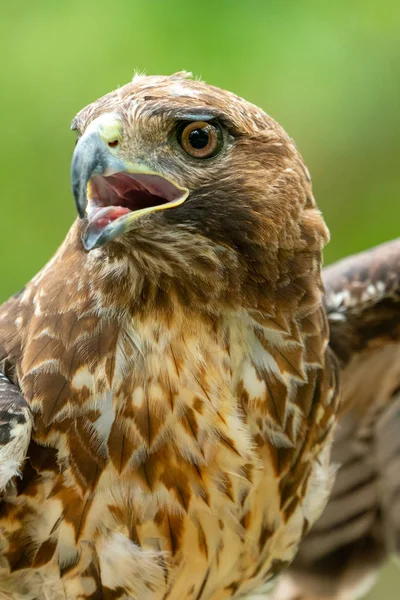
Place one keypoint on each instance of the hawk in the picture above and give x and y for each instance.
(170, 386)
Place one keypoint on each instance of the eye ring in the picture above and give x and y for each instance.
(200, 139)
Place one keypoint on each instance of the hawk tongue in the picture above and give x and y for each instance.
(106, 215)
(99, 220)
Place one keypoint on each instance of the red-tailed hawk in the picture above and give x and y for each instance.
(174, 359)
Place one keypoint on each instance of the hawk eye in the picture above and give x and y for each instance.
(200, 139)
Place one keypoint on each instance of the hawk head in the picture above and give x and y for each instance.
(194, 184)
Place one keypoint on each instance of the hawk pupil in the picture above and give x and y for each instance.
(198, 138)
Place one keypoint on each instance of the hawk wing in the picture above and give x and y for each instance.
(15, 430)
(16, 419)
(360, 526)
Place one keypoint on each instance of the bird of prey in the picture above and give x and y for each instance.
(170, 388)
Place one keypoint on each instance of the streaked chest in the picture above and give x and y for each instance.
(171, 463)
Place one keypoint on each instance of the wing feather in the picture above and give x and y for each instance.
(360, 526)
(15, 430)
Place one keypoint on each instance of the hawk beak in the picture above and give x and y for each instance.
(90, 158)
(111, 193)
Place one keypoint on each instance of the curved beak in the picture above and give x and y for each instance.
(90, 157)
(111, 192)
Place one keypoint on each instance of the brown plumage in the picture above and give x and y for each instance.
(174, 354)
(360, 526)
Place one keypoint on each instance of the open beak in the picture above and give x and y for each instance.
(111, 193)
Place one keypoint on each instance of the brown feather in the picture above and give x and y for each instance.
(360, 527)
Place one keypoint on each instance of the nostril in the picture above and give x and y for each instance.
(113, 143)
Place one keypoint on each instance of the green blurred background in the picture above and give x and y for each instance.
(328, 71)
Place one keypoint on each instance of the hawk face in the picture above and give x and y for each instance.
(191, 182)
